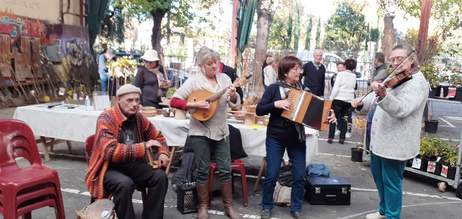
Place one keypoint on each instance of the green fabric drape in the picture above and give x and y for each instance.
(95, 14)
(245, 15)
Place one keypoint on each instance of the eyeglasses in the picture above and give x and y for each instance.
(398, 59)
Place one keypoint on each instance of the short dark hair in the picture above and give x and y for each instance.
(287, 63)
(380, 57)
(340, 63)
(350, 64)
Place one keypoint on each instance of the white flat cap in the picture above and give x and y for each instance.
(127, 89)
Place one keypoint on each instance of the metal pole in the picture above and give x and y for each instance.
(459, 159)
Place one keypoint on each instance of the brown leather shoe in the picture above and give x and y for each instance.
(203, 198)
(227, 193)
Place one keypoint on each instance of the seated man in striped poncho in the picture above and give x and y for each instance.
(118, 165)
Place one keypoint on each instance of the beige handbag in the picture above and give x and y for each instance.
(100, 209)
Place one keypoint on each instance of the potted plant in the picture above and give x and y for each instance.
(430, 72)
(456, 81)
(357, 153)
(448, 169)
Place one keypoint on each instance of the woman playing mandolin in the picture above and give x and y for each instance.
(212, 132)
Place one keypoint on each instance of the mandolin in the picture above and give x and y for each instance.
(212, 98)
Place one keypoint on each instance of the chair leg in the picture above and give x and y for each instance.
(69, 146)
(210, 182)
(245, 195)
(172, 153)
(260, 173)
(9, 210)
(27, 215)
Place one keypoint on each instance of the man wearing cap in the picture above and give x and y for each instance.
(118, 161)
(151, 79)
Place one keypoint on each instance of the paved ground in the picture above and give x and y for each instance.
(421, 199)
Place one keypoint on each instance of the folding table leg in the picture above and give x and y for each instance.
(45, 148)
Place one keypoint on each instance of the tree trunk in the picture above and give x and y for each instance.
(265, 17)
(388, 35)
(421, 46)
(156, 36)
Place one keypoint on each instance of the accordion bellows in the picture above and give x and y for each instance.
(308, 109)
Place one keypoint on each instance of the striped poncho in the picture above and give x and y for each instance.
(107, 149)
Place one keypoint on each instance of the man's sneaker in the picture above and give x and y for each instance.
(348, 135)
(265, 214)
(375, 215)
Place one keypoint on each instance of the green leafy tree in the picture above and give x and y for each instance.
(309, 26)
(318, 34)
(179, 10)
(346, 29)
(446, 22)
(112, 25)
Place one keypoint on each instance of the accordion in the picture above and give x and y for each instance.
(308, 109)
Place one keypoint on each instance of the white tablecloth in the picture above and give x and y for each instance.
(77, 124)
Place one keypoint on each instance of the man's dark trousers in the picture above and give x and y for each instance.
(121, 180)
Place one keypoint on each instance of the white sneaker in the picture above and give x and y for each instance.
(375, 215)
(337, 132)
(348, 135)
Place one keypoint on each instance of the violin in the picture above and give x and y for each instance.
(396, 79)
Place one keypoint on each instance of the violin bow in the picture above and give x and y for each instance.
(391, 74)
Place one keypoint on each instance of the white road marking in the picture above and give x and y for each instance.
(137, 201)
(422, 195)
(334, 155)
(456, 118)
(446, 121)
(351, 142)
(404, 206)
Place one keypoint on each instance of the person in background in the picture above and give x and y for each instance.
(314, 74)
(118, 162)
(268, 58)
(151, 79)
(283, 134)
(211, 134)
(270, 72)
(340, 67)
(396, 128)
(380, 72)
(342, 94)
(231, 72)
(103, 58)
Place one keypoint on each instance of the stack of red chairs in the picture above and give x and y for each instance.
(23, 190)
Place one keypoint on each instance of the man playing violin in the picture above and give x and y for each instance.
(396, 126)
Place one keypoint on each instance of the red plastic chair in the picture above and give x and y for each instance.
(23, 190)
(236, 166)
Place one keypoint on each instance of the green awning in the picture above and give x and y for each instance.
(245, 16)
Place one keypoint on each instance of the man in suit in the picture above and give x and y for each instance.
(314, 74)
(395, 130)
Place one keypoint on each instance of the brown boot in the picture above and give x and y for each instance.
(203, 196)
(227, 193)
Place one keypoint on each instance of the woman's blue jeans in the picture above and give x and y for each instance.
(275, 149)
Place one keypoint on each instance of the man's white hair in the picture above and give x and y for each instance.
(316, 51)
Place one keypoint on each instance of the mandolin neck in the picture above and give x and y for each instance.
(217, 95)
